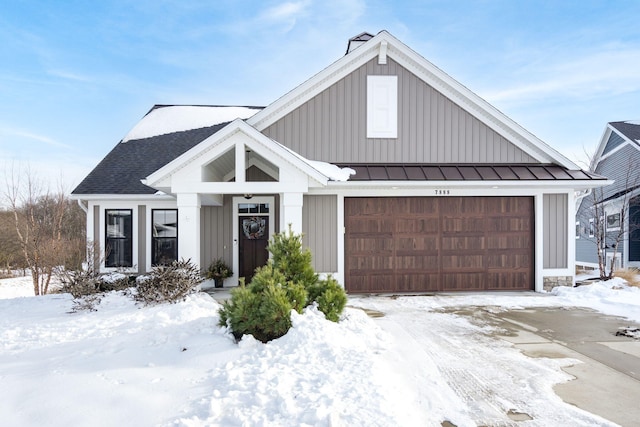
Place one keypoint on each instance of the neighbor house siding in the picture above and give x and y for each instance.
(585, 245)
(555, 230)
(216, 233)
(614, 141)
(320, 231)
(622, 167)
(142, 238)
(431, 128)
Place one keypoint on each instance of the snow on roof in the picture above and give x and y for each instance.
(633, 122)
(177, 118)
(331, 171)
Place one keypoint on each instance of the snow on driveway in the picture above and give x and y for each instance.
(125, 364)
(478, 378)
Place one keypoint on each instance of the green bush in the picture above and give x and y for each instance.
(288, 282)
(266, 314)
(332, 299)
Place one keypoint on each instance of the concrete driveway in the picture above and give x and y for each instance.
(607, 382)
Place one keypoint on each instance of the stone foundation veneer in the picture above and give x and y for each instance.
(550, 282)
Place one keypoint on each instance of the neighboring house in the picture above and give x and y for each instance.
(618, 158)
(400, 178)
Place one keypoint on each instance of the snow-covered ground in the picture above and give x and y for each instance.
(171, 365)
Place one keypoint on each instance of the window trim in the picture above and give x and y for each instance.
(153, 238)
(616, 227)
(107, 239)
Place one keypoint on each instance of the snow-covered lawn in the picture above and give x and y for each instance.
(171, 365)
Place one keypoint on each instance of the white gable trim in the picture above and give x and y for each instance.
(430, 74)
(218, 143)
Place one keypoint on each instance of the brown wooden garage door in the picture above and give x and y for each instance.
(427, 244)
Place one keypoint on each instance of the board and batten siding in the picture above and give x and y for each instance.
(320, 231)
(332, 127)
(555, 230)
(216, 233)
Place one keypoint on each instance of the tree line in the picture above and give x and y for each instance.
(40, 230)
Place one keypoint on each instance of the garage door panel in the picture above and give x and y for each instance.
(419, 262)
(417, 225)
(462, 224)
(417, 243)
(361, 245)
(466, 243)
(515, 241)
(426, 244)
(417, 282)
(474, 281)
(508, 281)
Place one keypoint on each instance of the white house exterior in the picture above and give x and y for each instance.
(400, 178)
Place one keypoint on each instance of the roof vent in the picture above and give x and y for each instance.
(358, 40)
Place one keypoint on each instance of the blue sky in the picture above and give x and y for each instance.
(75, 76)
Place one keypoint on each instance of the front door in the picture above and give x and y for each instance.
(252, 229)
(254, 238)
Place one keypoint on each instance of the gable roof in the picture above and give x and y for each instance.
(212, 147)
(384, 44)
(615, 136)
(168, 136)
(629, 129)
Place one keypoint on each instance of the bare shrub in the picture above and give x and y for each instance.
(168, 283)
(630, 275)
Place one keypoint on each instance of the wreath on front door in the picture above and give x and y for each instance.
(254, 227)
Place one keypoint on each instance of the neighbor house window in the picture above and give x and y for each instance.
(382, 106)
(118, 238)
(578, 230)
(164, 236)
(592, 227)
(613, 222)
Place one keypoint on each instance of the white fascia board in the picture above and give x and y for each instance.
(125, 197)
(430, 74)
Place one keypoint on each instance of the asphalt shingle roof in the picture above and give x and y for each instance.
(628, 129)
(122, 169)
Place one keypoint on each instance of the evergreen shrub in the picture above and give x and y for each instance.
(288, 282)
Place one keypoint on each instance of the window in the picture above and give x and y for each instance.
(118, 238)
(592, 227)
(164, 236)
(382, 106)
(613, 222)
(578, 230)
(253, 208)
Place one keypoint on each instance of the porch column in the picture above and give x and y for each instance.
(189, 227)
(291, 212)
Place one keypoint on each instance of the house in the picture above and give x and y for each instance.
(400, 178)
(618, 204)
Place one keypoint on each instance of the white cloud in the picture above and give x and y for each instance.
(609, 71)
(10, 132)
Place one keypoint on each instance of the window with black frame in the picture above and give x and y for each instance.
(118, 238)
(164, 236)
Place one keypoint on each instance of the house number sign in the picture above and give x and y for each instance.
(442, 192)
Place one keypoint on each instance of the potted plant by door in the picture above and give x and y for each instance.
(218, 271)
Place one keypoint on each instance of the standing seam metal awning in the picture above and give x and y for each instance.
(466, 172)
